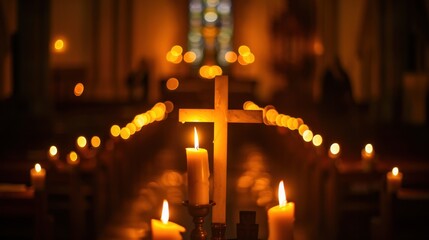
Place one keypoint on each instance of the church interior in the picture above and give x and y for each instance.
(103, 104)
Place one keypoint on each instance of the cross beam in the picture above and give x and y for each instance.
(220, 116)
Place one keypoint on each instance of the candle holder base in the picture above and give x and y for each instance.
(218, 231)
(198, 213)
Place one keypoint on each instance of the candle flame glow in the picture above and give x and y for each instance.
(196, 142)
(369, 148)
(395, 171)
(282, 195)
(81, 141)
(53, 150)
(165, 213)
(73, 156)
(335, 148)
(37, 167)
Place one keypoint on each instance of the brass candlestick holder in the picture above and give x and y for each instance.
(198, 213)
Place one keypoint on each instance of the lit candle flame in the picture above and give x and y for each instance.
(53, 150)
(335, 148)
(81, 141)
(37, 167)
(165, 213)
(369, 148)
(196, 142)
(395, 171)
(73, 156)
(282, 195)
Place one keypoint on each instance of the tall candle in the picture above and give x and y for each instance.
(165, 230)
(198, 173)
(394, 180)
(281, 218)
(38, 177)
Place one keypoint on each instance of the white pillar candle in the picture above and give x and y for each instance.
(165, 230)
(394, 180)
(38, 177)
(281, 218)
(198, 174)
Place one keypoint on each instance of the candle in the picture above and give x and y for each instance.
(367, 152)
(82, 146)
(281, 218)
(72, 158)
(38, 177)
(165, 230)
(394, 180)
(198, 174)
(334, 151)
(53, 153)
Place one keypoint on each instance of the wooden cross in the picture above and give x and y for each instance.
(220, 116)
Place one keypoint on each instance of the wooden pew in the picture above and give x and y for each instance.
(23, 213)
(405, 214)
(352, 200)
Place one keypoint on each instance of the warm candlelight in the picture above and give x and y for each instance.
(394, 180)
(72, 158)
(165, 230)
(38, 177)
(367, 152)
(334, 151)
(53, 153)
(198, 173)
(281, 217)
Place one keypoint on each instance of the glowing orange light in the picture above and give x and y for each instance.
(282, 195)
(189, 57)
(53, 150)
(317, 140)
(244, 50)
(368, 148)
(308, 135)
(170, 57)
(132, 128)
(241, 60)
(172, 84)
(196, 141)
(302, 128)
(177, 59)
(271, 115)
(95, 141)
(395, 171)
(125, 133)
(249, 105)
(81, 141)
(165, 215)
(249, 58)
(78, 89)
(335, 148)
(230, 57)
(176, 50)
(59, 45)
(73, 158)
(37, 167)
(115, 130)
